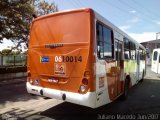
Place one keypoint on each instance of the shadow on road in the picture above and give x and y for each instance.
(70, 111)
(14, 93)
(143, 99)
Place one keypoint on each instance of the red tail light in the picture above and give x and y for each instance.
(29, 74)
(85, 81)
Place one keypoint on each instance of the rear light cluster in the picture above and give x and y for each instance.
(84, 85)
(28, 74)
(29, 77)
(85, 81)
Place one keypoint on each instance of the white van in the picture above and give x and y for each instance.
(156, 61)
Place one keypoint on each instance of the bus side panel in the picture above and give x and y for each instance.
(102, 84)
(133, 71)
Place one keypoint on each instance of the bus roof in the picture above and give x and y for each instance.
(62, 12)
(97, 15)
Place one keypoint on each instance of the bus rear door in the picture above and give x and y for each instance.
(120, 67)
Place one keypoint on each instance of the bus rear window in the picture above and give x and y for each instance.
(127, 53)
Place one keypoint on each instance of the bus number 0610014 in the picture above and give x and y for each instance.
(68, 58)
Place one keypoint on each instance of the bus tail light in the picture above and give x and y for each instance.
(83, 88)
(29, 80)
(29, 74)
(29, 77)
(85, 81)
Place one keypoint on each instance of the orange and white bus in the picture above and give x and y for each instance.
(80, 57)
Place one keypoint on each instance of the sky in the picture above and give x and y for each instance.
(140, 19)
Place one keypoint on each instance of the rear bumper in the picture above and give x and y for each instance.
(88, 99)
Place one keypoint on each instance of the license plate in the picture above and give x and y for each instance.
(53, 80)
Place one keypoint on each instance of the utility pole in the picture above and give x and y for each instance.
(157, 35)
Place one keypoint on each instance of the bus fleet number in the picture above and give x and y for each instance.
(68, 59)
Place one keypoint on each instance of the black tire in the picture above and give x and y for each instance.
(126, 89)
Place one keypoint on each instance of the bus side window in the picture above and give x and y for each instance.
(107, 35)
(133, 51)
(99, 41)
(104, 42)
(155, 54)
(116, 50)
(144, 55)
(126, 49)
(141, 53)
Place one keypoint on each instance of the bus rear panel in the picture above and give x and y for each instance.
(59, 59)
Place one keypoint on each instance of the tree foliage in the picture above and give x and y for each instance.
(10, 52)
(6, 51)
(16, 15)
(42, 7)
(14, 19)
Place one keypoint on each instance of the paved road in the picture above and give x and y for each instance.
(143, 98)
(151, 75)
(15, 102)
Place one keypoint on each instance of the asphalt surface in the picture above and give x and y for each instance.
(143, 102)
(151, 75)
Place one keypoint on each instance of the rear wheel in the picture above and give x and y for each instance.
(126, 89)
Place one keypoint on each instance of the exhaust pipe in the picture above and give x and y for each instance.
(41, 92)
(64, 97)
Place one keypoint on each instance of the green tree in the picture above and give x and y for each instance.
(15, 53)
(25, 52)
(16, 16)
(42, 7)
(6, 51)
